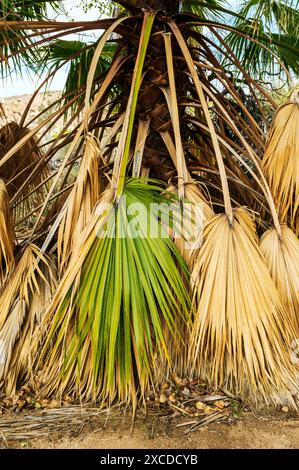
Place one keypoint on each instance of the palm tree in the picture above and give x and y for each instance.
(160, 119)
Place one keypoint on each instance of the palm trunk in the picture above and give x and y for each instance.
(152, 105)
(169, 6)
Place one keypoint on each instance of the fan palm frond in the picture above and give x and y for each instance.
(112, 301)
(6, 234)
(17, 169)
(11, 42)
(23, 300)
(242, 334)
(205, 8)
(78, 56)
(280, 161)
(282, 257)
(274, 25)
(81, 202)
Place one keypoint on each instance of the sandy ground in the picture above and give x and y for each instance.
(249, 431)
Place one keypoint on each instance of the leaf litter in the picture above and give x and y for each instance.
(189, 404)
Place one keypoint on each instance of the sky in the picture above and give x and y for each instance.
(16, 85)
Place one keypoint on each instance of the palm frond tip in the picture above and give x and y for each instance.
(81, 202)
(282, 257)
(23, 301)
(280, 161)
(6, 234)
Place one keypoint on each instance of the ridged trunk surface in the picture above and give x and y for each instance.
(151, 102)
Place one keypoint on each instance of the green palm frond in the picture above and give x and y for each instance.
(109, 314)
(205, 8)
(10, 41)
(27, 9)
(77, 56)
(260, 51)
(273, 27)
(282, 14)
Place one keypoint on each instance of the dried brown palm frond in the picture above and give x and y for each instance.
(242, 334)
(280, 162)
(196, 196)
(280, 247)
(23, 299)
(196, 210)
(81, 201)
(262, 183)
(6, 234)
(16, 170)
(282, 257)
(241, 331)
(193, 191)
(187, 190)
(31, 336)
(193, 209)
(20, 282)
(2, 111)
